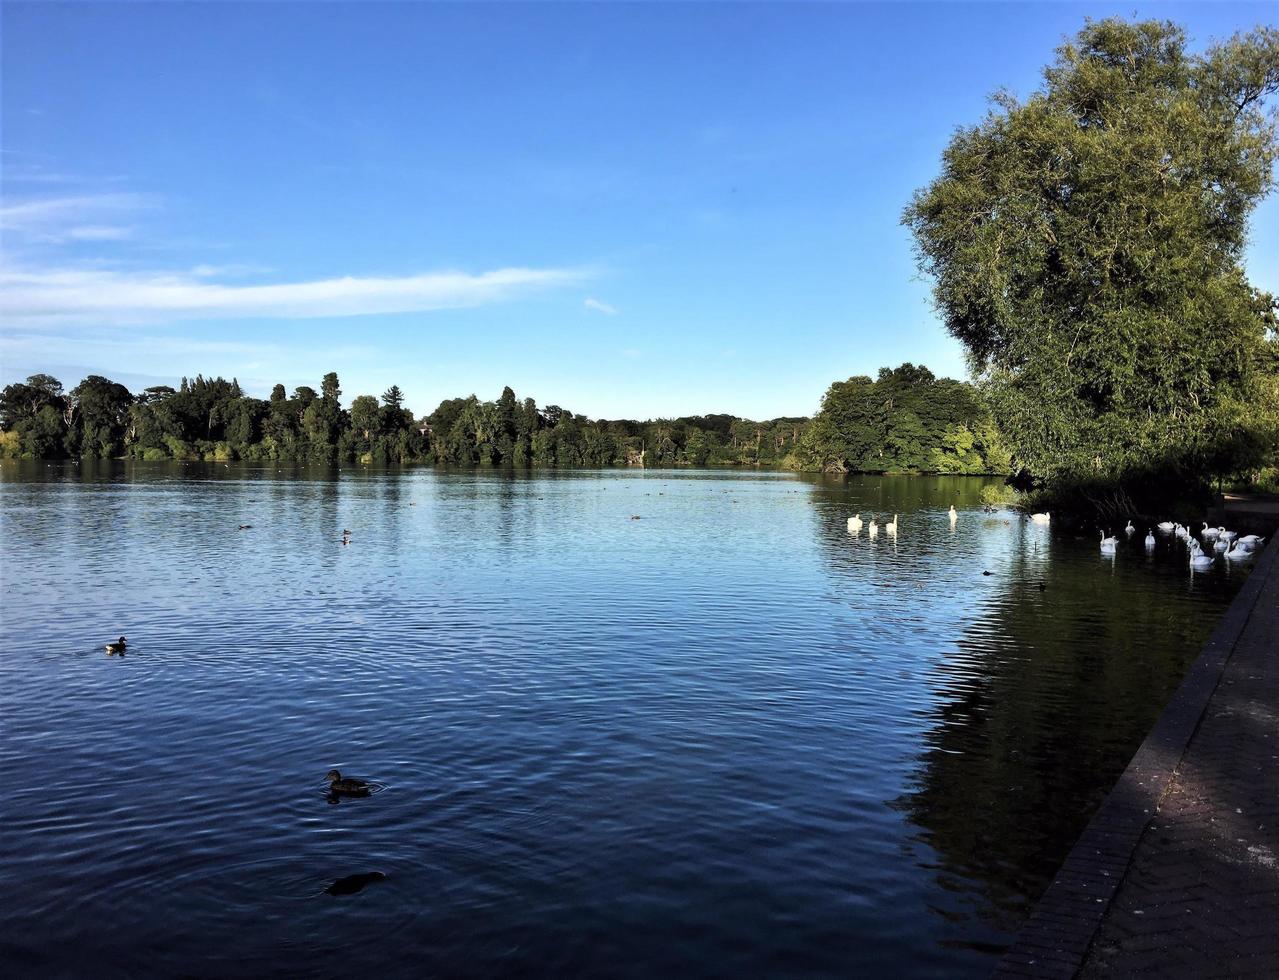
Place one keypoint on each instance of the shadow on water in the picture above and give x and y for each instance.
(1044, 698)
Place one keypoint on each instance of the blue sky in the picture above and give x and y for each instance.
(628, 210)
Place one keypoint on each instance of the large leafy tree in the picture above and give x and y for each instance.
(1086, 246)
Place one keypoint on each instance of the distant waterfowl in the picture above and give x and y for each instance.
(345, 784)
(1043, 518)
(1252, 540)
(1181, 532)
(1107, 544)
(636, 517)
(1150, 539)
(245, 527)
(353, 883)
(117, 647)
(1209, 532)
(892, 528)
(954, 515)
(855, 522)
(345, 533)
(1200, 560)
(1221, 545)
(872, 529)
(1224, 535)
(1166, 526)
(1130, 529)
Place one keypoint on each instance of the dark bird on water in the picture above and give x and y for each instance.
(116, 647)
(353, 883)
(346, 784)
(245, 527)
(988, 573)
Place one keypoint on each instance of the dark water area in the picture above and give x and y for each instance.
(726, 738)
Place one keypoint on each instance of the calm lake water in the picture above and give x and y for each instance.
(727, 738)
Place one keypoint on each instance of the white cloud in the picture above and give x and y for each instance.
(50, 296)
(99, 233)
(42, 215)
(593, 304)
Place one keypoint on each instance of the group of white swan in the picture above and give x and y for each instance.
(1216, 541)
(872, 529)
(1228, 544)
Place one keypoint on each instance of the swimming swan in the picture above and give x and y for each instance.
(1150, 539)
(1107, 544)
(1239, 554)
(892, 528)
(855, 522)
(1166, 526)
(1041, 518)
(872, 529)
(1201, 560)
(1129, 529)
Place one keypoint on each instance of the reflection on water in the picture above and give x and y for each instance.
(727, 738)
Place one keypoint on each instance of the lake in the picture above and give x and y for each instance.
(726, 738)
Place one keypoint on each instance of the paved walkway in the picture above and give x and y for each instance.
(1177, 875)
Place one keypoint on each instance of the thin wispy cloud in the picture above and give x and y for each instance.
(41, 214)
(32, 297)
(600, 307)
(100, 233)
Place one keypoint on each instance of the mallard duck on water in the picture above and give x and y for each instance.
(346, 784)
(117, 647)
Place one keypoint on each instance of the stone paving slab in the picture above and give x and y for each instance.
(1177, 875)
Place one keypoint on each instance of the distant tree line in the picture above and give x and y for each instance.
(213, 419)
(908, 420)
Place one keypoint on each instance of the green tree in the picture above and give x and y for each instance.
(1086, 247)
(393, 397)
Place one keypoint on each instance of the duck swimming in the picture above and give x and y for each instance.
(117, 647)
(346, 784)
(353, 883)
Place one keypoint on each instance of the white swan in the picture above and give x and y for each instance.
(1201, 561)
(1150, 539)
(1166, 526)
(872, 529)
(1041, 518)
(1220, 545)
(1252, 539)
(954, 515)
(1181, 532)
(1107, 544)
(1209, 532)
(892, 528)
(1129, 529)
(1195, 549)
(1224, 535)
(1239, 554)
(855, 522)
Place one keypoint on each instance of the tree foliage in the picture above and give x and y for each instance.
(917, 422)
(1086, 247)
(905, 421)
